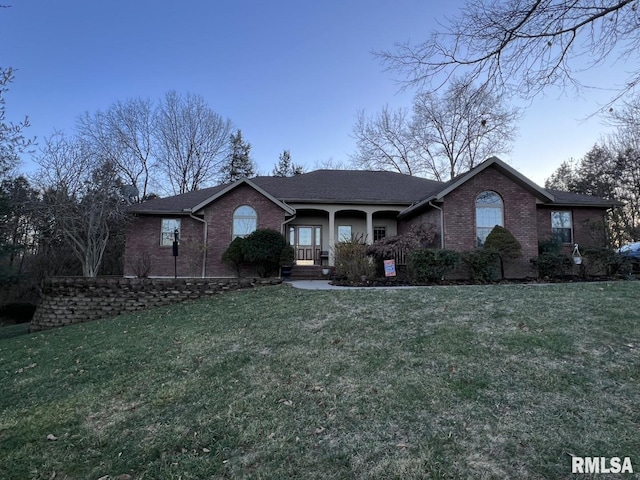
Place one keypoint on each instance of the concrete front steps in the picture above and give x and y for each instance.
(308, 272)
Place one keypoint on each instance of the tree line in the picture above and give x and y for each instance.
(69, 217)
(611, 169)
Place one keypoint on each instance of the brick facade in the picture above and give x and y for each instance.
(519, 211)
(143, 249)
(144, 252)
(588, 225)
(219, 217)
(526, 214)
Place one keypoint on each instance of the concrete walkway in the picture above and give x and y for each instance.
(324, 285)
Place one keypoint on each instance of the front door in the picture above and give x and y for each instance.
(307, 241)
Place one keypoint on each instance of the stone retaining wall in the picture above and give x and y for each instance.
(68, 300)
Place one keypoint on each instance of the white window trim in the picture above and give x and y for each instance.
(178, 225)
(570, 228)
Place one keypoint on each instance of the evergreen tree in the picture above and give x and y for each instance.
(239, 163)
(285, 167)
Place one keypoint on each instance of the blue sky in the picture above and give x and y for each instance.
(290, 74)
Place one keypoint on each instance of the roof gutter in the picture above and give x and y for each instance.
(204, 245)
(441, 223)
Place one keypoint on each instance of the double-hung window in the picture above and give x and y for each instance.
(562, 227)
(167, 231)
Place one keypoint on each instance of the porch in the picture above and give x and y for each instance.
(314, 232)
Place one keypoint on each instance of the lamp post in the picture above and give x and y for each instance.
(175, 253)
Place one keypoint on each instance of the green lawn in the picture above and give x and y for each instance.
(444, 382)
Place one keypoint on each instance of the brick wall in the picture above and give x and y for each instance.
(588, 225)
(219, 217)
(143, 247)
(76, 300)
(143, 237)
(520, 217)
(430, 218)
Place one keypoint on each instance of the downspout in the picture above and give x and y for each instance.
(441, 223)
(204, 245)
(283, 224)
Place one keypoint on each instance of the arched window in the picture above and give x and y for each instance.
(489, 213)
(245, 221)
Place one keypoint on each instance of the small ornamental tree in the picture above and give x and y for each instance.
(419, 236)
(504, 244)
(263, 248)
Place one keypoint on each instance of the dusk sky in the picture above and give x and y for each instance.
(290, 74)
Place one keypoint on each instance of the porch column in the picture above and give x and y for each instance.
(332, 237)
(369, 227)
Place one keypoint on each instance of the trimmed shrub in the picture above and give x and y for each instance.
(431, 265)
(504, 244)
(263, 248)
(233, 255)
(551, 245)
(604, 261)
(483, 265)
(419, 236)
(287, 255)
(552, 264)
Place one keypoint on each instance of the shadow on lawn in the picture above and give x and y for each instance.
(13, 331)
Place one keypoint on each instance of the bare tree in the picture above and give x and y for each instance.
(384, 142)
(525, 45)
(81, 196)
(447, 134)
(12, 139)
(123, 136)
(191, 141)
(461, 128)
(626, 119)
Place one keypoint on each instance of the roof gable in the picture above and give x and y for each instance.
(193, 202)
(513, 174)
(448, 187)
(233, 186)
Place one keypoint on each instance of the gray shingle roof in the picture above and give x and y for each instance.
(347, 186)
(568, 198)
(343, 186)
(177, 203)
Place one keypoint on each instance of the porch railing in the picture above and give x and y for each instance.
(400, 257)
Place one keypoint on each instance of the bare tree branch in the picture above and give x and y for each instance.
(525, 45)
(81, 196)
(191, 141)
(445, 135)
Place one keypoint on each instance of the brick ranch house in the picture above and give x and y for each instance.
(317, 209)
